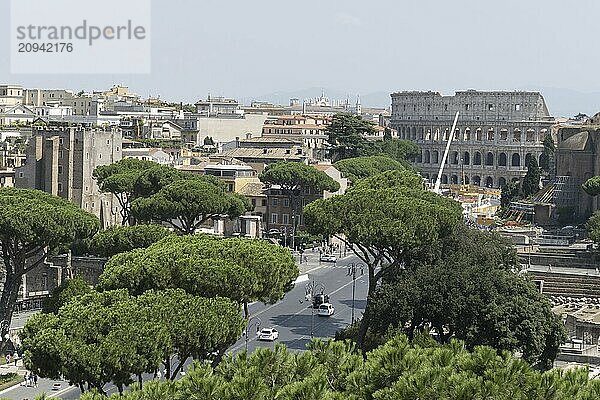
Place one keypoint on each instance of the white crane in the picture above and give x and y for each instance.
(438, 181)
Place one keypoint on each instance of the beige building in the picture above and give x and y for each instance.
(61, 160)
(311, 131)
(497, 133)
(11, 95)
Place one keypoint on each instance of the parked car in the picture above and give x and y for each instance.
(320, 299)
(326, 309)
(268, 334)
(328, 258)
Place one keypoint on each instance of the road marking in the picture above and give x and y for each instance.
(288, 318)
(302, 278)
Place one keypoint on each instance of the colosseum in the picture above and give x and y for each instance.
(496, 133)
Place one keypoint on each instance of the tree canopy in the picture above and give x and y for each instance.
(404, 151)
(531, 181)
(510, 192)
(398, 370)
(186, 204)
(68, 290)
(293, 176)
(386, 222)
(120, 179)
(592, 186)
(347, 136)
(471, 292)
(33, 224)
(363, 167)
(110, 337)
(593, 227)
(547, 157)
(242, 269)
(119, 239)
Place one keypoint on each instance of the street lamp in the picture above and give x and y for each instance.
(352, 268)
(311, 289)
(254, 321)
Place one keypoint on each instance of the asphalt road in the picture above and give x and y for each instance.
(291, 317)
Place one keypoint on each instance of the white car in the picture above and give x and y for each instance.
(269, 334)
(328, 258)
(326, 309)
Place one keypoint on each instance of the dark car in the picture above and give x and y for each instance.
(320, 299)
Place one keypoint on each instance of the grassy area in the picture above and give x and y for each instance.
(9, 380)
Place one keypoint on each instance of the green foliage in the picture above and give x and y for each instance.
(510, 192)
(347, 136)
(592, 186)
(31, 219)
(398, 370)
(119, 239)
(292, 176)
(593, 227)
(531, 182)
(120, 179)
(242, 269)
(110, 337)
(64, 293)
(390, 180)
(386, 222)
(32, 225)
(188, 203)
(547, 157)
(403, 151)
(471, 293)
(363, 167)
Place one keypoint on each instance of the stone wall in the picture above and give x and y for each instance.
(496, 134)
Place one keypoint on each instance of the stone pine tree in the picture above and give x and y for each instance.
(531, 182)
(592, 186)
(32, 225)
(294, 179)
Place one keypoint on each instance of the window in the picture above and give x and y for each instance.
(108, 142)
(253, 201)
(264, 202)
(60, 140)
(273, 218)
(286, 202)
(517, 107)
(275, 202)
(100, 156)
(60, 154)
(60, 188)
(285, 219)
(466, 107)
(490, 107)
(60, 169)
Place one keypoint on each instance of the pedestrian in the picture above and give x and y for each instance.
(35, 378)
(26, 379)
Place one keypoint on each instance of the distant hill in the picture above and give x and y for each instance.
(561, 102)
(376, 99)
(567, 102)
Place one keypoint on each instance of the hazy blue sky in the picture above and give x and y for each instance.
(251, 48)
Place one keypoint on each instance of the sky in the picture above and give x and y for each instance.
(248, 49)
